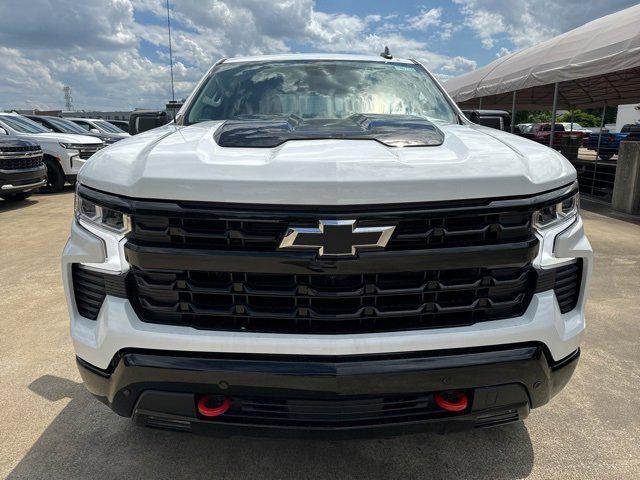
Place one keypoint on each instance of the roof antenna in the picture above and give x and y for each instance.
(386, 54)
(173, 95)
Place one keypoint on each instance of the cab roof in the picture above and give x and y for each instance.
(316, 56)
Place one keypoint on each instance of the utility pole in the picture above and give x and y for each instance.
(68, 100)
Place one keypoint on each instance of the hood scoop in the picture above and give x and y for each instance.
(390, 130)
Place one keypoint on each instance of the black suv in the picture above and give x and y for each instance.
(21, 168)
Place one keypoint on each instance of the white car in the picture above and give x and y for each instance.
(97, 125)
(64, 154)
(324, 243)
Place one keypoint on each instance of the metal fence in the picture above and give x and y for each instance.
(595, 176)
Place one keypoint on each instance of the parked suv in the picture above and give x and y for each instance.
(96, 125)
(64, 153)
(121, 124)
(21, 168)
(325, 243)
(63, 125)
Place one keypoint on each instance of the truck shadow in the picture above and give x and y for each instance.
(86, 440)
(6, 206)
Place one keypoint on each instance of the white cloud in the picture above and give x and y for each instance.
(502, 52)
(527, 23)
(112, 61)
(426, 19)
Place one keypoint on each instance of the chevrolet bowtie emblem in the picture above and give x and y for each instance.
(336, 237)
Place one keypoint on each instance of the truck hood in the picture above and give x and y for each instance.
(186, 163)
(63, 137)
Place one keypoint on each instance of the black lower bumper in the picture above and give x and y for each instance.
(312, 395)
(12, 181)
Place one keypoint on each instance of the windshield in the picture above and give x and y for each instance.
(66, 126)
(23, 124)
(318, 89)
(107, 126)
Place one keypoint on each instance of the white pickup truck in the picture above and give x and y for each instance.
(324, 243)
(64, 154)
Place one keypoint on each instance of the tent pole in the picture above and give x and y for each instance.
(553, 114)
(572, 110)
(595, 165)
(513, 112)
(479, 103)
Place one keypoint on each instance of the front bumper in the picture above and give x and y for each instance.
(12, 181)
(117, 326)
(343, 395)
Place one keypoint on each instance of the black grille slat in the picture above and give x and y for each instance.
(19, 149)
(91, 287)
(20, 163)
(86, 152)
(89, 290)
(330, 303)
(349, 412)
(567, 285)
(413, 231)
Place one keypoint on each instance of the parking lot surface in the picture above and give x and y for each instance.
(52, 428)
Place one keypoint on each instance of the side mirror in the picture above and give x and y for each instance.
(3, 131)
(142, 121)
(94, 130)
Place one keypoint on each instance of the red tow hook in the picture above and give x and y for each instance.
(216, 411)
(455, 400)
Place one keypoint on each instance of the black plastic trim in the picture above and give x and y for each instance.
(141, 206)
(502, 255)
(311, 377)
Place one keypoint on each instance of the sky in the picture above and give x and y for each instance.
(114, 53)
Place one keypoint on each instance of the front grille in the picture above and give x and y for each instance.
(414, 231)
(567, 285)
(20, 149)
(324, 303)
(86, 152)
(21, 160)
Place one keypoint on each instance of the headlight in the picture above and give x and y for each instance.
(74, 146)
(565, 211)
(102, 217)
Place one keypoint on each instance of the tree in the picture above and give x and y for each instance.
(583, 118)
(539, 117)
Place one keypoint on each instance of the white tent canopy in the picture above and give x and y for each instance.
(595, 63)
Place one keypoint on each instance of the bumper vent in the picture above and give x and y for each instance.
(567, 286)
(91, 287)
(321, 303)
(495, 419)
(331, 413)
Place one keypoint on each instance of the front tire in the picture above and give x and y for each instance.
(15, 197)
(55, 175)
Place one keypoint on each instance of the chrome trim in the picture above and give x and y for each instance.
(289, 239)
(20, 155)
(9, 187)
(23, 170)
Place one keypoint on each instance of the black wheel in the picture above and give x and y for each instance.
(55, 176)
(605, 156)
(16, 197)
